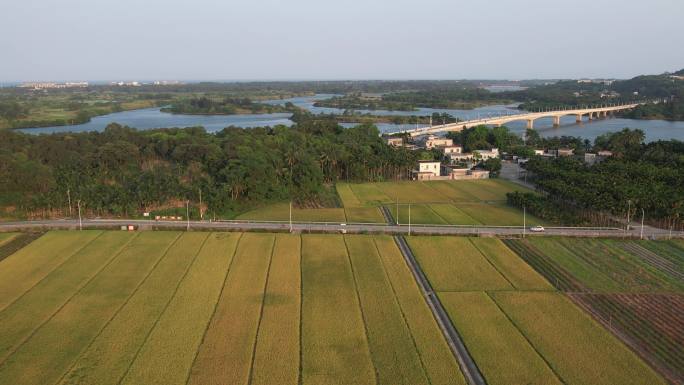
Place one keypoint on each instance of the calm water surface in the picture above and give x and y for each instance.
(150, 118)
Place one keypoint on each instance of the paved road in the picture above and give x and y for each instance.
(329, 227)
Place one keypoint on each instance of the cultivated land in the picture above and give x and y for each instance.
(514, 323)
(633, 288)
(106, 307)
(469, 202)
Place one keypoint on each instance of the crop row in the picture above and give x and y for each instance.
(555, 274)
(650, 323)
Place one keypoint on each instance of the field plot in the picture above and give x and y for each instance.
(54, 346)
(501, 352)
(334, 344)
(672, 250)
(517, 328)
(602, 276)
(419, 214)
(370, 194)
(578, 349)
(651, 323)
(455, 264)
(412, 192)
(225, 356)
(281, 212)
(6, 237)
(364, 215)
(347, 196)
(36, 306)
(28, 266)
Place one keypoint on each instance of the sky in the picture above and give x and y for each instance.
(59, 40)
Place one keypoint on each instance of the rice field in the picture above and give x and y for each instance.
(633, 288)
(112, 307)
(469, 202)
(519, 329)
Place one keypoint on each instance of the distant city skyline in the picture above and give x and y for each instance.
(268, 40)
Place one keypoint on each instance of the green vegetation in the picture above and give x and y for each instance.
(502, 353)
(578, 349)
(648, 177)
(7, 237)
(227, 106)
(125, 172)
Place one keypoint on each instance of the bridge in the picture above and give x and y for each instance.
(594, 112)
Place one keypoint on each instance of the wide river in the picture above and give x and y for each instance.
(153, 118)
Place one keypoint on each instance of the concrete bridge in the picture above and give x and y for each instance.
(595, 112)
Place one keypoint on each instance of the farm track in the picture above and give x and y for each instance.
(387, 215)
(466, 362)
(651, 324)
(653, 259)
(17, 243)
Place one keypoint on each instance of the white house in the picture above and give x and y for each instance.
(434, 141)
(452, 150)
(487, 154)
(428, 169)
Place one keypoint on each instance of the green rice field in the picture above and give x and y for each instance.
(114, 307)
(469, 202)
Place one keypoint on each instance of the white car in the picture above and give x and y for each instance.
(537, 229)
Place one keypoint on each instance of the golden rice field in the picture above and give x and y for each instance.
(114, 307)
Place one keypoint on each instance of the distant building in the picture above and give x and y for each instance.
(460, 157)
(538, 152)
(452, 150)
(427, 169)
(605, 153)
(395, 142)
(50, 85)
(488, 154)
(560, 152)
(459, 173)
(434, 141)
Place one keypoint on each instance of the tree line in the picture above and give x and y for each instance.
(122, 171)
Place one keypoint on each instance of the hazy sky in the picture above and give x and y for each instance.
(341, 39)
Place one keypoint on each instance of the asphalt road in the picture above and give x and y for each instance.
(329, 227)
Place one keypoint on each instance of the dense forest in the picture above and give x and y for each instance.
(639, 176)
(122, 171)
(224, 106)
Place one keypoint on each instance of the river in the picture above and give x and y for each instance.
(150, 118)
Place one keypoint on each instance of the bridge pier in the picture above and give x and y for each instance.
(591, 116)
(556, 121)
(578, 118)
(530, 124)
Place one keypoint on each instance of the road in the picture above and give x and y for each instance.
(330, 227)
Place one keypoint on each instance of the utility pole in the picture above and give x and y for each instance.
(629, 208)
(187, 212)
(524, 220)
(409, 219)
(643, 214)
(200, 207)
(69, 199)
(290, 216)
(80, 221)
(398, 210)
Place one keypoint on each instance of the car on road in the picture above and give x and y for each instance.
(537, 229)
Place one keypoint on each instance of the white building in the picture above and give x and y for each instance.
(427, 169)
(452, 150)
(434, 141)
(488, 154)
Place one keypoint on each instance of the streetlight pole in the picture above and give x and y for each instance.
(524, 220)
(187, 213)
(80, 221)
(290, 216)
(629, 208)
(409, 219)
(643, 214)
